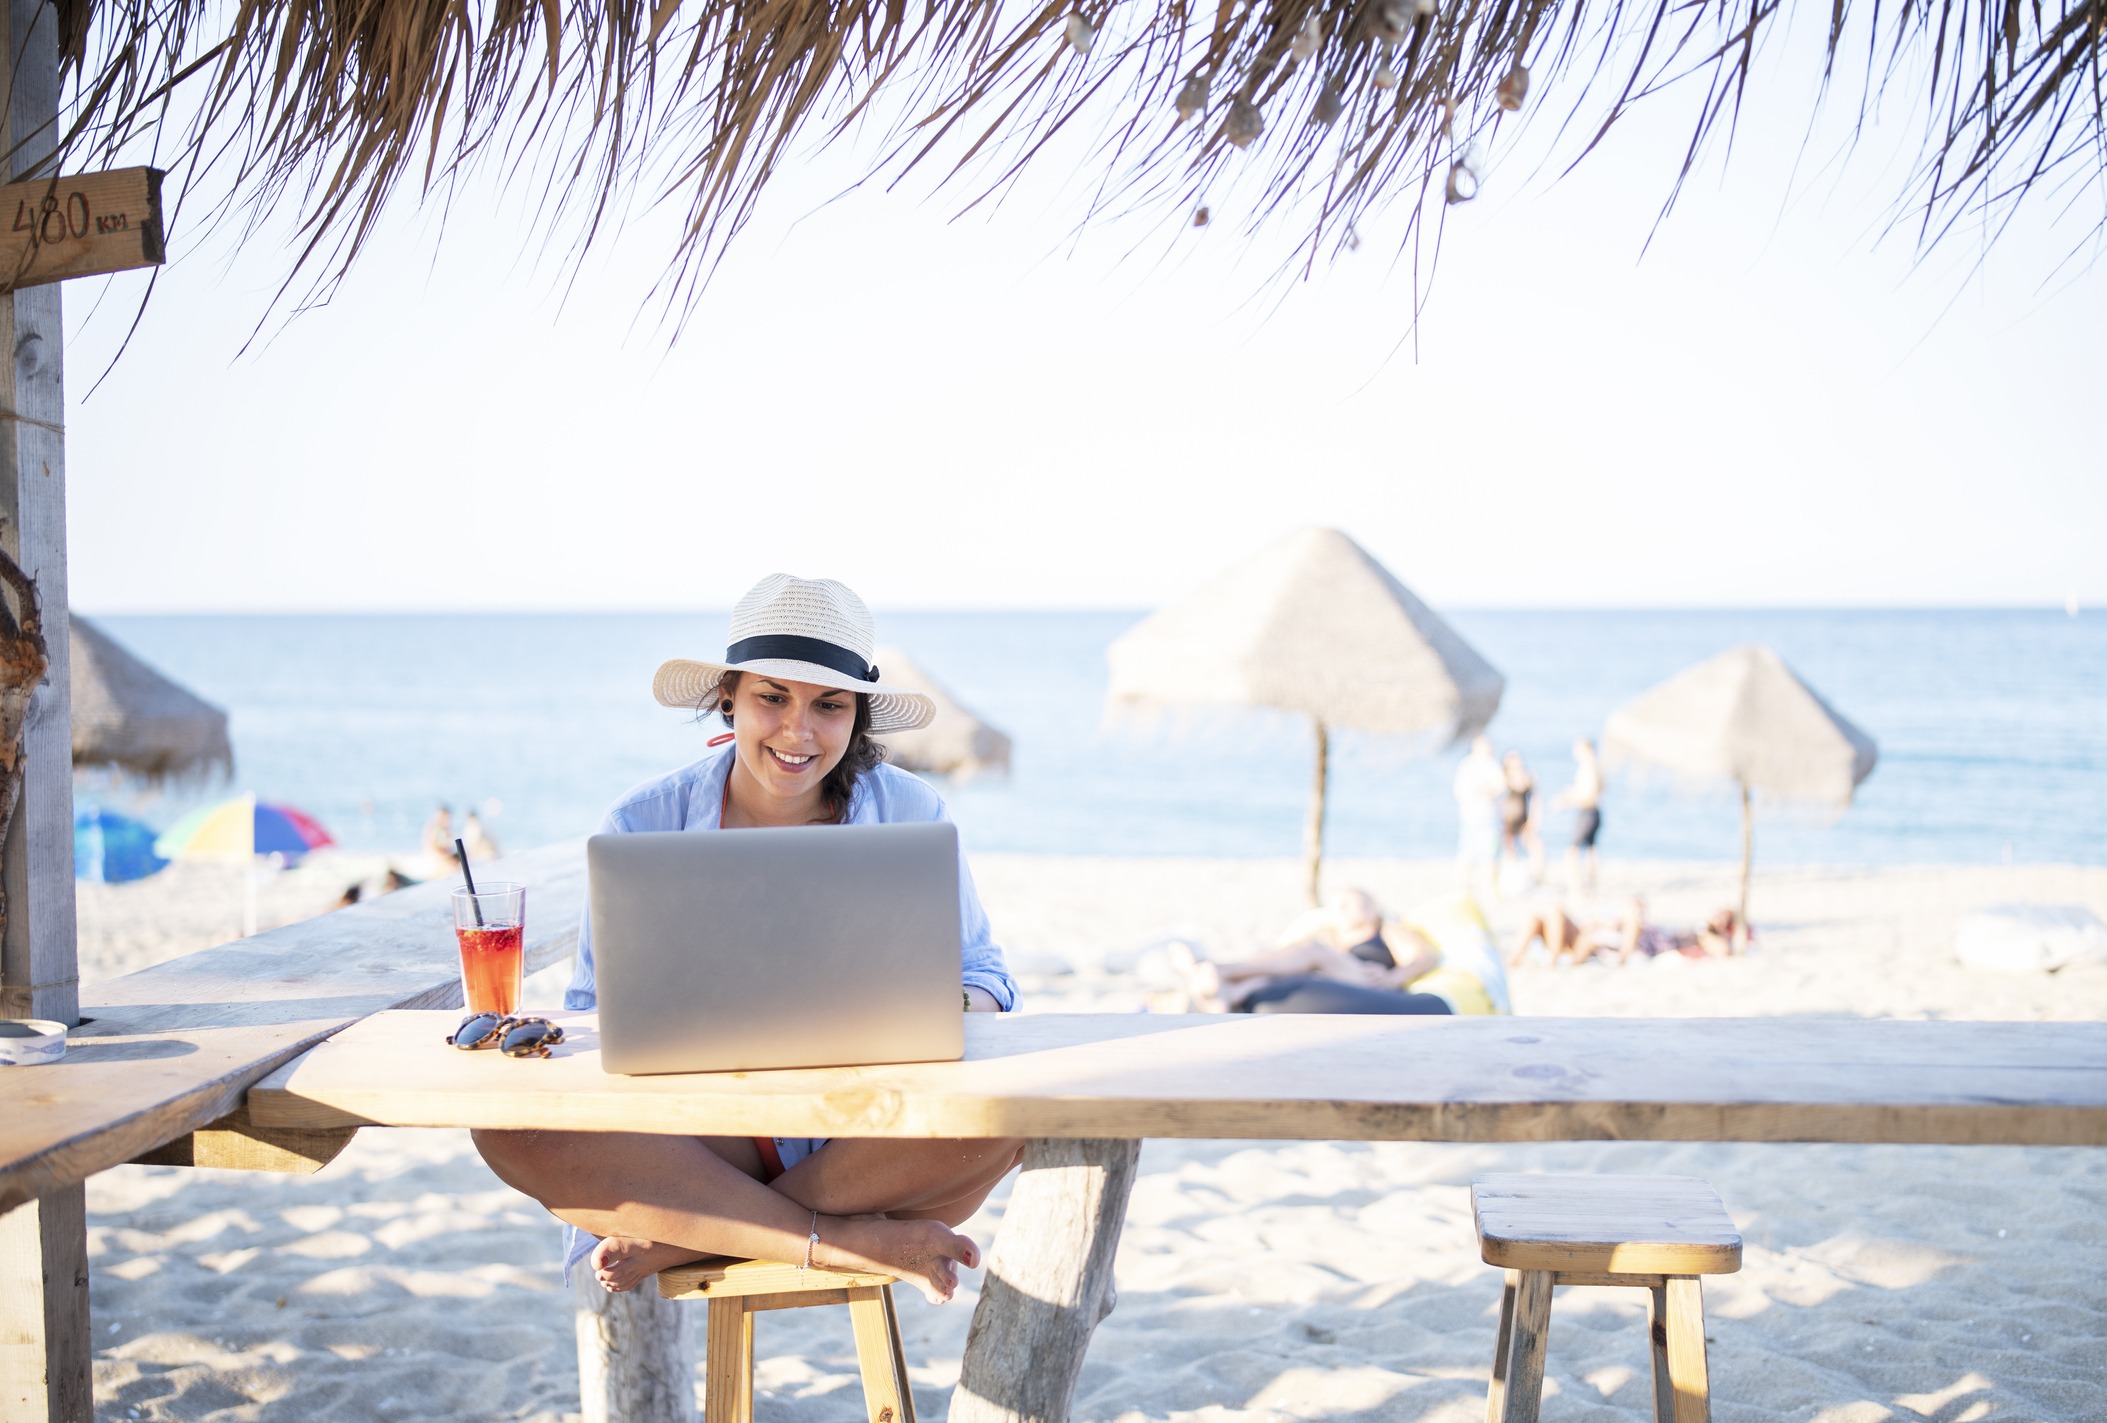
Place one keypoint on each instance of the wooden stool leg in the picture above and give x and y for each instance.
(728, 1363)
(1684, 1395)
(1496, 1396)
(886, 1395)
(1525, 1350)
(1657, 1340)
(892, 1332)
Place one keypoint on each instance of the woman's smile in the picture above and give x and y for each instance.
(791, 762)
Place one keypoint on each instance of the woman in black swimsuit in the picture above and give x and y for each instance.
(1517, 816)
(1339, 959)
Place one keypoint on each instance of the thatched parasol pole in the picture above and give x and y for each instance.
(1313, 833)
(1748, 848)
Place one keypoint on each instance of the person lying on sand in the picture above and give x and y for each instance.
(802, 717)
(1629, 935)
(1341, 958)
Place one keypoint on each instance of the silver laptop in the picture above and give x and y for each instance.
(815, 946)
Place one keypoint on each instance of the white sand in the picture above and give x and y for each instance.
(1258, 1283)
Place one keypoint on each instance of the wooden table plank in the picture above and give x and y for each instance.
(174, 1047)
(1282, 1077)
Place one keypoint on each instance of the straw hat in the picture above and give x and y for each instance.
(799, 630)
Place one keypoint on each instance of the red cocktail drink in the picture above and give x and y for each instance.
(490, 968)
(491, 925)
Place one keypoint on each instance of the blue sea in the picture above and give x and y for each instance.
(1992, 727)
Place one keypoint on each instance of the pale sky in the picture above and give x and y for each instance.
(1768, 409)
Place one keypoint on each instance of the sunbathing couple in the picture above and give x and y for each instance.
(1630, 935)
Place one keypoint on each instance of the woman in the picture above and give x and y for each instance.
(802, 699)
(1339, 959)
(1518, 816)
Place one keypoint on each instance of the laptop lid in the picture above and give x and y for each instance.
(809, 946)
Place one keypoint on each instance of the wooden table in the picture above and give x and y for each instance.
(1087, 1088)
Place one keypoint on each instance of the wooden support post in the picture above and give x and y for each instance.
(888, 1397)
(636, 1357)
(1048, 1282)
(45, 1351)
(728, 1363)
(1683, 1301)
(44, 1348)
(39, 977)
(1496, 1396)
(1748, 849)
(1531, 1329)
(1313, 829)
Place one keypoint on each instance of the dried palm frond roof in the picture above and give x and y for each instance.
(328, 107)
(128, 715)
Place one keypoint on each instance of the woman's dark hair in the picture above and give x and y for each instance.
(864, 750)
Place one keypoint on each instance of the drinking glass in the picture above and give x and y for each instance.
(491, 926)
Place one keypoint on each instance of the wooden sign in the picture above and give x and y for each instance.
(83, 226)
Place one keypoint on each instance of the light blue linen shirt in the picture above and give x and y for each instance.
(692, 798)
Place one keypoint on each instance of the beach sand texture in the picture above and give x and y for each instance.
(1257, 1283)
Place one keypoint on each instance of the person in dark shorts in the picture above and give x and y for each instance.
(1584, 798)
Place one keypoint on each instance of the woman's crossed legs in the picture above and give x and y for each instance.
(658, 1201)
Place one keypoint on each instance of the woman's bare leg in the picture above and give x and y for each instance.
(903, 1179)
(678, 1191)
(943, 1181)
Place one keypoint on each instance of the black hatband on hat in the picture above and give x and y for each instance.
(790, 648)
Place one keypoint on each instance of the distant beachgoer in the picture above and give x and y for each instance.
(1348, 958)
(481, 848)
(1480, 790)
(1630, 935)
(1584, 799)
(1341, 958)
(1518, 833)
(398, 880)
(350, 896)
(439, 842)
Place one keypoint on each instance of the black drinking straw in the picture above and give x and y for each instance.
(473, 902)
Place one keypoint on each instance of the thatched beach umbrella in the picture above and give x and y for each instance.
(1313, 625)
(956, 743)
(127, 715)
(1744, 717)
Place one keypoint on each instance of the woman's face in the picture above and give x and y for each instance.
(788, 735)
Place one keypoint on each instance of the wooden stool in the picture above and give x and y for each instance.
(1657, 1233)
(739, 1289)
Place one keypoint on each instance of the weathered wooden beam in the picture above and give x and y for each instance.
(80, 225)
(636, 1357)
(45, 1348)
(176, 1047)
(38, 975)
(234, 1143)
(45, 1353)
(1048, 1282)
(1291, 1076)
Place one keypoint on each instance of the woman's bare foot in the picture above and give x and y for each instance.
(924, 1253)
(623, 1262)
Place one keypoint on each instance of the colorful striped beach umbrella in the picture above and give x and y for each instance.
(112, 849)
(239, 828)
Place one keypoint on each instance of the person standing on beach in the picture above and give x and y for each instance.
(1518, 817)
(1480, 788)
(802, 703)
(1584, 798)
(439, 844)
